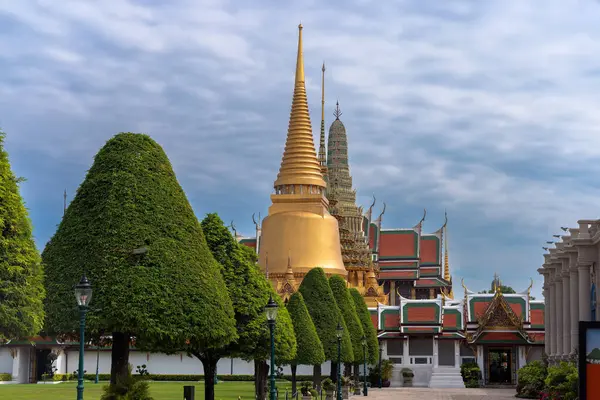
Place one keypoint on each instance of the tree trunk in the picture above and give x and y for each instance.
(119, 366)
(317, 377)
(347, 369)
(209, 363)
(357, 373)
(293, 367)
(333, 372)
(261, 371)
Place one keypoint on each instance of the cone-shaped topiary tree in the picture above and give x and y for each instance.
(21, 275)
(325, 314)
(368, 328)
(249, 291)
(310, 349)
(348, 310)
(131, 228)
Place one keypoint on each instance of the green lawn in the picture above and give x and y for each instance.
(159, 390)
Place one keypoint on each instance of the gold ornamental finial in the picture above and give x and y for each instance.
(299, 165)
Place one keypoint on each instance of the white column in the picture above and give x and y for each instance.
(16, 363)
(558, 333)
(405, 350)
(574, 308)
(546, 318)
(566, 327)
(480, 361)
(584, 292)
(435, 352)
(522, 357)
(552, 318)
(456, 354)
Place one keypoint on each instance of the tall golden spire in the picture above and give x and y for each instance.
(299, 165)
(322, 156)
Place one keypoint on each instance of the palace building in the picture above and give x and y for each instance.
(571, 277)
(403, 274)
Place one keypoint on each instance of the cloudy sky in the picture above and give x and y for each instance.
(488, 109)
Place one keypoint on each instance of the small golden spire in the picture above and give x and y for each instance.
(299, 165)
(446, 260)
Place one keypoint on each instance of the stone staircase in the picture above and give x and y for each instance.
(446, 377)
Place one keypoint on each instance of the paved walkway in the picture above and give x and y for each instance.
(439, 394)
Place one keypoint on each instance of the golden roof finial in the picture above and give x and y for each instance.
(300, 165)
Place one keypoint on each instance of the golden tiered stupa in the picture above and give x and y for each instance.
(299, 233)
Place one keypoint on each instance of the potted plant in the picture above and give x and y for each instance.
(307, 390)
(387, 368)
(407, 377)
(329, 387)
(346, 384)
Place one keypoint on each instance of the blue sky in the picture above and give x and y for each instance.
(486, 109)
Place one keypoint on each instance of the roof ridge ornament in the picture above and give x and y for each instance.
(337, 113)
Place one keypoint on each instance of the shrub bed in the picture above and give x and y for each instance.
(172, 377)
(5, 377)
(471, 374)
(531, 380)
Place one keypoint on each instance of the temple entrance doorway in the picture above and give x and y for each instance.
(500, 366)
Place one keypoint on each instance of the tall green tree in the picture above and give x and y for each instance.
(249, 291)
(326, 315)
(345, 303)
(310, 349)
(131, 228)
(368, 328)
(21, 275)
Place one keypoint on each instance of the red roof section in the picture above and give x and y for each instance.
(450, 321)
(429, 251)
(375, 321)
(397, 274)
(393, 244)
(537, 317)
(421, 314)
(392, 320)
(480, 308)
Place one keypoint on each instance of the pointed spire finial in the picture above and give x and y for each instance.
(300, 165)
(322, 150)
(300, 58)
(337, 113)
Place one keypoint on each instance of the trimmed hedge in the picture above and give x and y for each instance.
(169, 377)
(5, 377)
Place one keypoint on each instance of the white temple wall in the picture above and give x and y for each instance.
(6, 361)
(156, 363)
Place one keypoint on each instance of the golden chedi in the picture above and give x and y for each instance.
(299, 233)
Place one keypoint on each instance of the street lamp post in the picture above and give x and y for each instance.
(339, 331)
(83, 294)
(380, 372)
(364, 344)
(271, 311)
